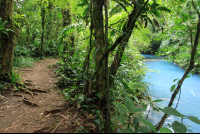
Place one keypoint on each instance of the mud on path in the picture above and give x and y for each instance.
(51, 114)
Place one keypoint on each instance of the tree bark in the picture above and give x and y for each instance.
(43, 14)
(100, 49)
(123, 40)
(8, 43)
(66, 13)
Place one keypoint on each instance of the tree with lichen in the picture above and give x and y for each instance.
(8, 42)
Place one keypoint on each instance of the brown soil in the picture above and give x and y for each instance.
(16, 116)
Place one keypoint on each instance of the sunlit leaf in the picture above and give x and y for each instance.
(172, 111)
(172, 88)
(165, 130)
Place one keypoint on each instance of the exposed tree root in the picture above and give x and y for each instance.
(53, 111)
(27, 91)
(41, 130)
(26, 101)
(37, 90)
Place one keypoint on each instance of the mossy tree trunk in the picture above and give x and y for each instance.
(67, 20)
(100, 49)
(43, 14)
(8, 43)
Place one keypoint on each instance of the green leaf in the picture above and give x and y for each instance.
(98, 121)
(165, 130)
(85, 1)
(98, 95)
(129, 105)
(156, 13)
(157, 100)
(82, 4)
(115, 10)
(164, 9)
(176, 79)
(194, 119)
(112, 33)
(85, 12)
(147, 123)
(98, 113)
(179, 127)
(172, 111)
(120, 107)
(122, 5)
(154, 5)
(2, 25)
(136, 99)
(125, 2)
(172, 88)
(188, 76)
(13, 79)
(144, 130)
(127, 130)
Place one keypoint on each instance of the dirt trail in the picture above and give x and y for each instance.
(18, 117)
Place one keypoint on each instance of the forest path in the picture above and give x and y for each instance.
(19, 117)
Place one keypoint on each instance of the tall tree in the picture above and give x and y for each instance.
(69, 40)
(100, 48)
(43, 14)
(8, 42)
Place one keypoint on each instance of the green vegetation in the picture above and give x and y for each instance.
(99, 43)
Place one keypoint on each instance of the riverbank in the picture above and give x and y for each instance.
(160, 86)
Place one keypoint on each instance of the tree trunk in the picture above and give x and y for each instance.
(123, 42)
(43, 13)
(28, 32)
(100, 46)
(8, 43)
(70, 42)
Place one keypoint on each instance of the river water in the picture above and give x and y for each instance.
(162, 81)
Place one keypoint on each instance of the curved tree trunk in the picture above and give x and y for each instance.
(8, 43)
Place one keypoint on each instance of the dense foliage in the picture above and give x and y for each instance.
(99, 44)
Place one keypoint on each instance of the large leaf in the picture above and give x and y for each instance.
(165, 130)
(120, 107)
(98, 121)
(179, 127)
(164, 9)
(127, 130)
(154, 5)
(147, 123)
(98, 113)
(172, 111)
(129, 105)
(123, 1)
(115, 10)
(13, 79)
(155, 12)
(194, 119)
(122, 5)
(144, 130)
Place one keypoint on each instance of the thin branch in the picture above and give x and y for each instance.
(196, 9)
